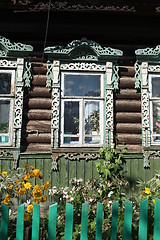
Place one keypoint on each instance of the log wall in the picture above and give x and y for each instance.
(128, 112)
(36, 130)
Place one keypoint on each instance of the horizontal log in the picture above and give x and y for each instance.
(128, 94)
(129, 138)
(127, 82)
(39, 138)
(131, 148)
(128, 106)
(128, 117)
(133, 128)
(34, 147)
(33, 126)
(39, 80)
(39, 103)
(38, 114)
(40, 92)
(126, 71)
(39, 70)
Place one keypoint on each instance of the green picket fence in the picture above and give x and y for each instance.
(127, 227)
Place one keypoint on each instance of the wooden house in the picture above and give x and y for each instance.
(75, 76)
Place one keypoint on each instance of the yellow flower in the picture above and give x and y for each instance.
(31, 174)
(40, 175)
(143, 192)
(153, 200)
(26, 217)
(30, 208)
(36, 172)
(27, 185)
(44, 199)
(26, 177)
(6, 199)
(45, 186)
(147, 191)
(37, 187)
(17, 181)
(22, 191)
(37, 193)
(38, 200)
(10, 186)
(5, 173)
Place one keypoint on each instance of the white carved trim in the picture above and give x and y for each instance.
(7, 64)
(154, 68)
(83, 66)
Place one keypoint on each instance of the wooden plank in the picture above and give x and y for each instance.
(127, 71)
(99, 220)
(39, 80)
(88, 170)
(156, 231)
(84, 221)
(52, 222)
(81, 170)
(39, 138)
(143, 218)
(39, 165)
(133, 148)
(134, 171)
(35, 222)
(127, 227)
(68, 222)
(72, 170)
(33, 114)
(4, 222)
(64, 181)
(95, 172)
(20, 222)
(38, 147)
(127, 82)
(114, 222)
(128, 94)
(40, 92)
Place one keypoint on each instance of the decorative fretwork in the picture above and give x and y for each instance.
(83, 45)
(109, 118)
(66, 5)
(27, 76)
(148, 51)
(146, 159)
(83, 66)
(13, 47)
(137, 75)
(154, 154)
(18, 107)
(155, 68)
(5, 153)
(3, 53)
(81, 156)
(49, 74)
(115, 77)
(7, 64)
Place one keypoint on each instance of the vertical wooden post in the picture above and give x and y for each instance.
(99, 219)
(4, 222)
(20, 222)
(84, 221)
(127, 227)
(68, 222)
(114, 222)
(52, 222)
(35, 222)
(143, 217)
(156, 232)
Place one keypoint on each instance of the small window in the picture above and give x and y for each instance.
(6, 105)
(82, 108)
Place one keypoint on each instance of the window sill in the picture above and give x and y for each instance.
(76, 150)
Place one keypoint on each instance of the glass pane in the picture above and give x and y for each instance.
(71, 140)
(156, 86)
(5, 83)
(82, 85)
(156, 120)
(92, 140)
(4, 116)
(4, 139)
(91, 117)
(71, 117)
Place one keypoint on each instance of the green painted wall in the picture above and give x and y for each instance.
(86, 170)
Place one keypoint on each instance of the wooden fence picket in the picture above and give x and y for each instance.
(52, 222)
(127, 227)
(35, 222)
(143, 218)
(84, 221)
(20, 222)
(114, 222)
(99, 219)
(4, 222)
(156, 232)
(68, 222)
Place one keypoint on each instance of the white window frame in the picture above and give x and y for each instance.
(81, 101)
(9, 97)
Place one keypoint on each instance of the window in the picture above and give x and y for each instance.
(82, 100)
(6, 105)
(154, 85)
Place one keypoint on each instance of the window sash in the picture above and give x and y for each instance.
(6, 138)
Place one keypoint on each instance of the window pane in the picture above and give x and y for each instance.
(92, 140)
(156, 119)
(4, 120)
(155, 86)
(91, 117)
(5, 83)
(82, 85)
(71, 117)
(71, 140)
